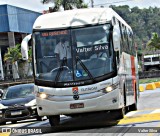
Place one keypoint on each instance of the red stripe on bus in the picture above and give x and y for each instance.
(133, 70)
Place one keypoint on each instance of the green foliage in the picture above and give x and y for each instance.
(30, 55)
(13, 54)
(66, 4)
(148, 80)
(144, 22)
(154, 42)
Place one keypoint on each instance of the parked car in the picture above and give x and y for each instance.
(18, 103)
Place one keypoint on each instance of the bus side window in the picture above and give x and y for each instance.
(130, 42)
(127, 47)
(147, 59)
(121, 42)
(155, 59)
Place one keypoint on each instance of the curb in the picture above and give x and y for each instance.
(141, 88)
(149, 86)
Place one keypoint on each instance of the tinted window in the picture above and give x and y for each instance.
(19, 92)
(155, 59)
(147, 59)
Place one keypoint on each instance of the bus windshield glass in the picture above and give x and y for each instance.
(77, 54)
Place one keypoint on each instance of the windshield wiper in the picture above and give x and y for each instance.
(60, 70)
(84, 67)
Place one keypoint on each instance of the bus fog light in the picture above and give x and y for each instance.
(114, 100)
(109, 89)
(43, 95)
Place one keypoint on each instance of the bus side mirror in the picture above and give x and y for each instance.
(116, 37)
(24, 47)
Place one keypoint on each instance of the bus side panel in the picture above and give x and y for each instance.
(137, 76)
(127, 72)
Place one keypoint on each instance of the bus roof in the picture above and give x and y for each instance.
(78, 17)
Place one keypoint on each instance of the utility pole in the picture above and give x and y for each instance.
(92, 3)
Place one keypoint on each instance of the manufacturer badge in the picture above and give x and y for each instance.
(75, 93)
(75, 90)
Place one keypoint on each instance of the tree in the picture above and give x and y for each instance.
(13, 55)
(66, 4)
(154, 42)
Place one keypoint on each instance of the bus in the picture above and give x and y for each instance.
(84, 61)
(152, 62)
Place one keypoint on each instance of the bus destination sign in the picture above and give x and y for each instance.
(54, 33)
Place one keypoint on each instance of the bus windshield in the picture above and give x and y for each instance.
(77, 54)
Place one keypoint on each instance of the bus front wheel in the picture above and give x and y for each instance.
(121, 112)
(54, 120)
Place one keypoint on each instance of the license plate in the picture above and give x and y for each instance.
(16, 113)
(76, 105)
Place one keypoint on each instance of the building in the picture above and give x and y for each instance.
(15, 24)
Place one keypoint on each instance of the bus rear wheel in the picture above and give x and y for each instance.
(54, 120)
(133, 107)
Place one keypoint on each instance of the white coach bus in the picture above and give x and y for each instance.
(84, 61)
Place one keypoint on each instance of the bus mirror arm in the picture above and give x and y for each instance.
(116, 37)
(24, 47)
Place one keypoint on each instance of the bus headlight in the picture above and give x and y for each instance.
(109, 89)
(43, 95)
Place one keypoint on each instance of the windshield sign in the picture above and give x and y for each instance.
(45, 34)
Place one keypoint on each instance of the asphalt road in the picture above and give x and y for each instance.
(140, 121)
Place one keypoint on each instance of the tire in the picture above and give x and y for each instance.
(121, 112)
(2, 123)
(39, 118)
(54, 120)
(133, 107)
(14, 122)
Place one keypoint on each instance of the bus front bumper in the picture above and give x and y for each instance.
(108, 101)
